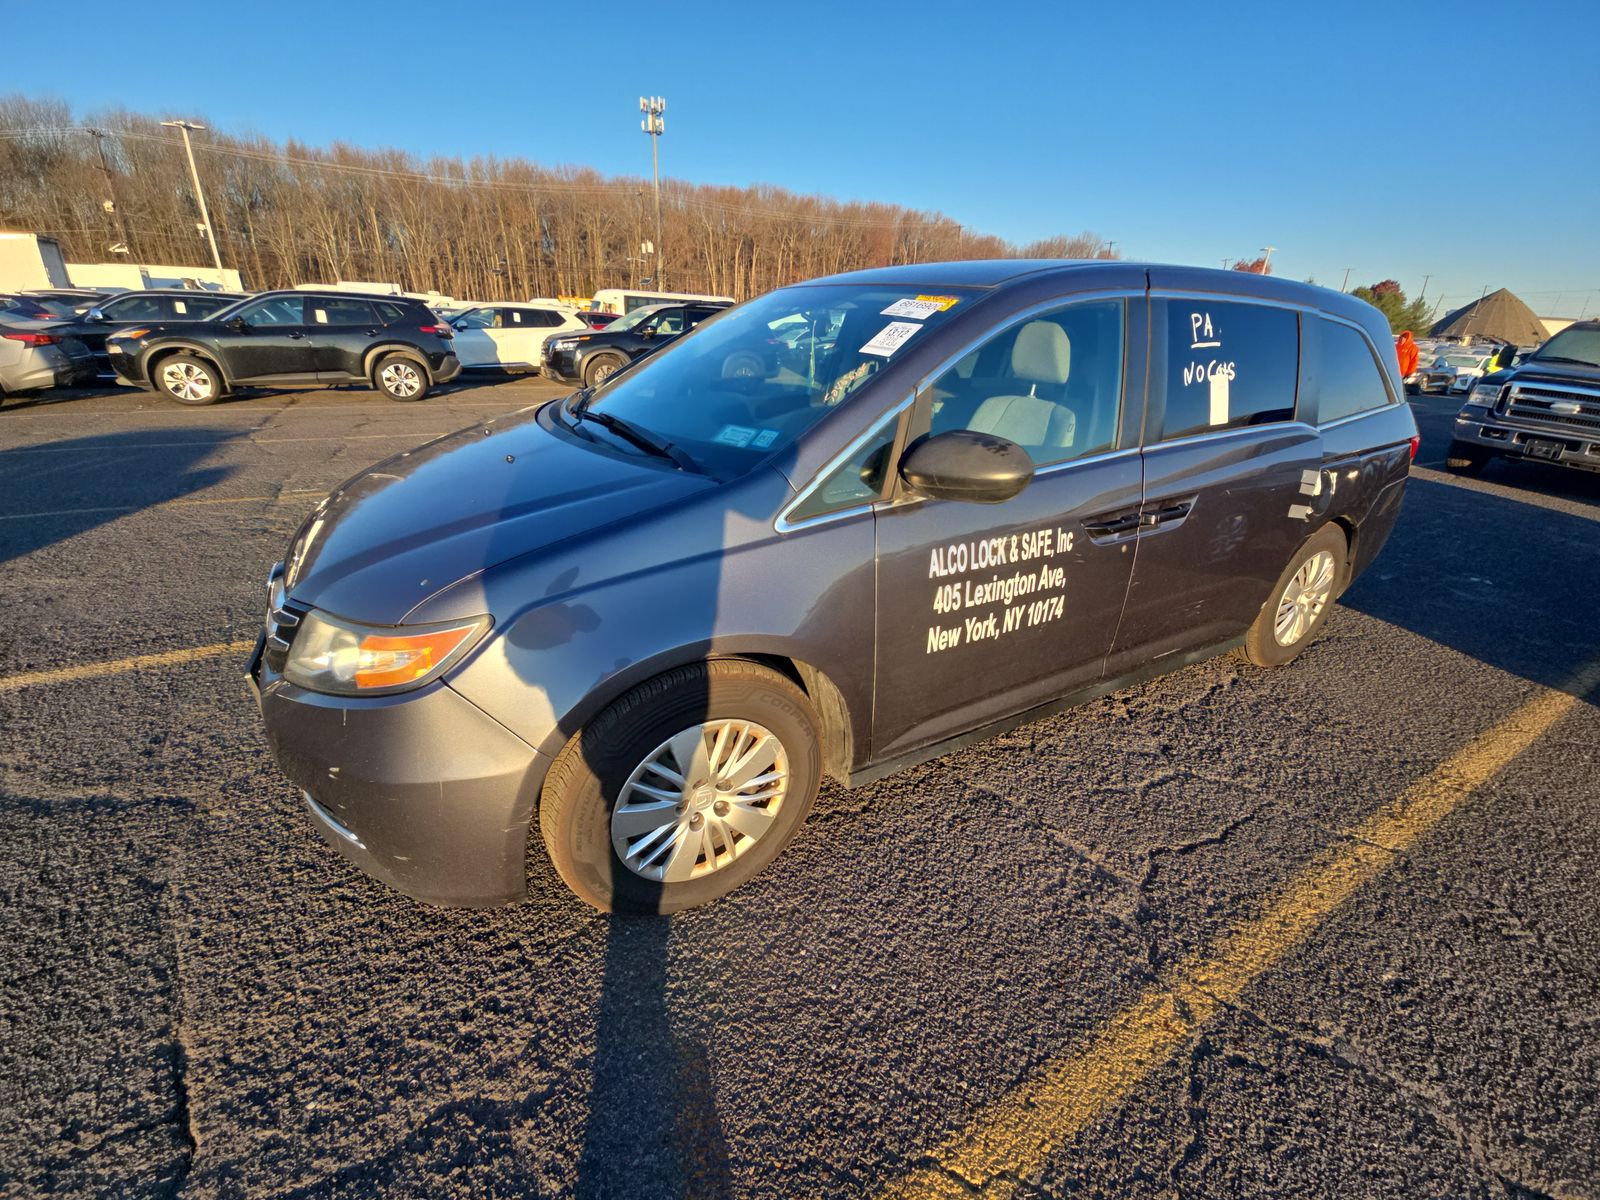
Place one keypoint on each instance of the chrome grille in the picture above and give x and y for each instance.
(1573, 409)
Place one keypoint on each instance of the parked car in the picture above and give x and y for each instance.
(509, 337)
(1545, 408)
(79, 299)
(19, 306)
(651, 617)
(589, 358)
(1452, 370)
(294, 338)
(34, 356)
(163, 306)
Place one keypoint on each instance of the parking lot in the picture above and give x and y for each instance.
(1328, 930)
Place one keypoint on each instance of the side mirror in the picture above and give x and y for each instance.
(96, 314)
(237, 324)
(963, 465)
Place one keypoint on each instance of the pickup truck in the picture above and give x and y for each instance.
(1545, 408)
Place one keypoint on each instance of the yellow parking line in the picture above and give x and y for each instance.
(117, 666)
(179, 502)
(1012, 1139)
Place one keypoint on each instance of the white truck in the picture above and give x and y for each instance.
(28, 261)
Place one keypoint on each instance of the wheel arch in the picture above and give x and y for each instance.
(369, 361)
(155, 354)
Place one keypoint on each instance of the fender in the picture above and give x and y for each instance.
(182, 345)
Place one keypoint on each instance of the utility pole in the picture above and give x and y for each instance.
(111, 189)
(655, 125)
(1266, 262)
(1345, 286)
(200, 197)
(1423, 293)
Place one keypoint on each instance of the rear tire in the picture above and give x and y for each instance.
(400, 378)
(601, 367)
(1463, 458)
(692, 830)
(1298, 605)
(189, 380)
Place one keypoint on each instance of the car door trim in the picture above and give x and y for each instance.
(781, 522)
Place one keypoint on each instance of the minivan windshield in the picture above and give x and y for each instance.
(1577, 345)
(748, 383)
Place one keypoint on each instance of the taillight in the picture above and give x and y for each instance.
(1416, 443)
(32, 339)
(443, 331)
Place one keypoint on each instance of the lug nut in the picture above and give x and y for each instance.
(696, 821)
(720, 808)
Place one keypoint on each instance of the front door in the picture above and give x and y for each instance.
(1232, 476)
(985, 611)
(276, 343)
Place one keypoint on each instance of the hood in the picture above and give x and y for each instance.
(421, 521)
(1555, 373)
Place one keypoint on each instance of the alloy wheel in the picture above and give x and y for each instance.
(1304, 598)
(187, 381)
(401, 379)
(700, 800)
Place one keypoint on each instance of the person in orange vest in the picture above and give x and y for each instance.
(1407, 350)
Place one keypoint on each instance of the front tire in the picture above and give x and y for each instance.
(682, 790)
(600, 368)
(1463, 458)
(1297, 608)
(189, 380)
(400, 378)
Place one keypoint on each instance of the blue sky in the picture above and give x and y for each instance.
(1459, 140)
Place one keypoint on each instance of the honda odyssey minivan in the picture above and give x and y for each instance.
(635, 628)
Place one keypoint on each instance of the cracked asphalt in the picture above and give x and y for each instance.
(200, 999)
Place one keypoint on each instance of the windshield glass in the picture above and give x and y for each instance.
(1580, 344)
(1464, 360)
(751, 380)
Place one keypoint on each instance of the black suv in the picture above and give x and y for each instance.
(1546, 407)
(588, 358)
(393, 343)
(165, 306)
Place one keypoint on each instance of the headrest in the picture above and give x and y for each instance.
(1042, 353)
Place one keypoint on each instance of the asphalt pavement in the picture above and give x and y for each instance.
(1329, 930)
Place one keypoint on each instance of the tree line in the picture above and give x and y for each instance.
(487, 229)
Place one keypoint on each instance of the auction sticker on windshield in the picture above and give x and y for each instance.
(890, 338)
(920, 308)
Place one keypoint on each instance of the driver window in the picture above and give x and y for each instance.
(669, 322)
(1052, 384)
(478, 318)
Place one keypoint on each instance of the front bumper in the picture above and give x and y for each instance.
(1481, 427)
(126, 367)
(422, 790)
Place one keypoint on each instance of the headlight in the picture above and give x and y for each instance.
(127, 335)
(567, 344)
(1484, 394)
(346, 659)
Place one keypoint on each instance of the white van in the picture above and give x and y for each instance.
(625, 300)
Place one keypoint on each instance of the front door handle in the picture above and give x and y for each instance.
(296, 334)
(1112, 525)
(1166, 514)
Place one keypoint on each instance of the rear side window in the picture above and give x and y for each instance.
(1349, 378)
(390, 312)
(136, 308)
(329, 310)
(1229, 365)
(204, 306)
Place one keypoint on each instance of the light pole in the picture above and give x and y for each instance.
(1345, 286)
(1266, 263)
(184, 127)
(1424, 292)
(655, 126)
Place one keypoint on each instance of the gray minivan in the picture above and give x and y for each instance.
(635, 628)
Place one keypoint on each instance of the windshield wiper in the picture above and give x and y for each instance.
(631, 433)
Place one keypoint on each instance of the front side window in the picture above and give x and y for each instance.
(1229, 365)
(1052, 384)
(274, 310)
(747, 384)
(1349, 379)
(478, 318)
(135, 308)
(669, 322)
